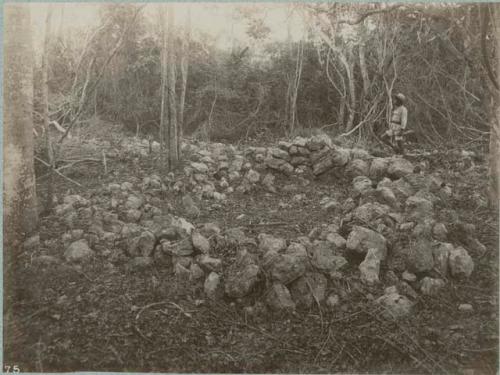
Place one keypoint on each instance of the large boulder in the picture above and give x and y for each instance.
(362, 239)
(460, 263)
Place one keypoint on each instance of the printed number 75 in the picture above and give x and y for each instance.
(13, 369)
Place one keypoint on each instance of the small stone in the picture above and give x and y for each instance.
(211, 286)
(395, 305)
(332, 301)
(408, 276)
(209, 263)
(430, 286)
(391, 290)
(420, 256)
(399, 167)
(419, 209)
(465, 307)
(200, 243)
(140, 263)
(268, 242)
(370, 267)
(278, 298)
(440, 232)
(460, 263)
(323, 257)
(196, 272)
(335, 238)
(78, 251)
(253, 176)
(361, 239)
(33, 242)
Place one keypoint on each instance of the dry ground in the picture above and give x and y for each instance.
(106, 318)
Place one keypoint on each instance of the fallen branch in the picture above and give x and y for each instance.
(57, 172)
(269, 224)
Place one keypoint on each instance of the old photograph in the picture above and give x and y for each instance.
(245, 187)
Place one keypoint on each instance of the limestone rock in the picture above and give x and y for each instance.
(361, 185)
(278, 298)
(357, 167)
(309, 288)
(323, 257)
(370, 267)
(140, 263)
(243, 275)
(378, 168)
(369, 212)
(209, 263)
(399, 167)
(268, 242)
(441, 254)
(286, 268)
(419, 209)
(396, 305)
(460, 263)
(78, 251)
(430, 286)
(420, 257)
(212, 285)
(361, 239)
(200, 243)
(253, 176)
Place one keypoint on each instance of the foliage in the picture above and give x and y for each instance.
(430, 53)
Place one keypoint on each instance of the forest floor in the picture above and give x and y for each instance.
(103, 317)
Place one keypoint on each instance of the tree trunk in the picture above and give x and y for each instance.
(173, 150)
(163, 65)
(295, 87)
(364, 70)
(184, 74)
(494, 152)
(349, 65)
(20, 216)
(45, 101)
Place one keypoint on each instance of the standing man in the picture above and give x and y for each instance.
(397, 126)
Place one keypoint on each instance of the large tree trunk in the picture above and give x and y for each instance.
(173, 148)
(184, 73)
(20, 218)
(494, 156)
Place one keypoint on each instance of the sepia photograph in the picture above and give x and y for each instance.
(251, 187)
